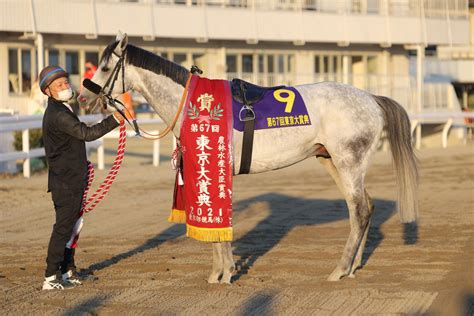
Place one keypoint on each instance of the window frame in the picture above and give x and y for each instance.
(19, 71)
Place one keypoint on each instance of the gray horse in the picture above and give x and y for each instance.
(347, 124)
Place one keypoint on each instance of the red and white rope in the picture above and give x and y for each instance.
(88, 204)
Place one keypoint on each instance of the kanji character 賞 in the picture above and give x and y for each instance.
(306, 119)
(203, 186)
(206, 101)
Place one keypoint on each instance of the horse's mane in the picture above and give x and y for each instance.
(144, 59)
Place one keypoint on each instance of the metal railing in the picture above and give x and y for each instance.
(269, 79)
(440, 103)
(456, 9)
(402, 88)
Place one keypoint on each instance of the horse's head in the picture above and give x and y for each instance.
(106, 74)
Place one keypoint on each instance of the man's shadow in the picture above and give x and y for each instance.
(303, 212)
(271, 230)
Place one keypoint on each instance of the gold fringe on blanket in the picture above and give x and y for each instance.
(177, 216)
(209, 234)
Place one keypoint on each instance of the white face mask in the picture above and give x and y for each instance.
(65, 95)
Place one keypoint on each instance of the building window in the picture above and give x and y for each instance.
(13, 76)
(261, 63)
(328, 67)
(180, 59)
(200, 60)
(372, 65)
(247, 63)
(290, 63)
(72, 67)
(231, 62)
(72, 63)
(19, 70)
(263, 69)
(53, 57)
(281, 64)
(92, 57)
(271, 64)
(164, 55)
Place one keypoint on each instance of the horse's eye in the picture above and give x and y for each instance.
(105, 69)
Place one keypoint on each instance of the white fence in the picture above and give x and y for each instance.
(26, 122)
(449, 119)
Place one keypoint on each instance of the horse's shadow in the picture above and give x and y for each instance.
(303, 212)
(271, 230)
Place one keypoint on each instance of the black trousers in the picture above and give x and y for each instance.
(67, 204)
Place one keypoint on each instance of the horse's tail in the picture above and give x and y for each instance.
(397, 127)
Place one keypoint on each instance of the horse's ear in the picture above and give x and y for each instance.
(119, 36)
(123, 42)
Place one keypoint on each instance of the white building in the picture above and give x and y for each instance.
(367, 43)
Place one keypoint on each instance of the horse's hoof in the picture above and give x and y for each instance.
(336, 275)
(226, 280)
(213, 279)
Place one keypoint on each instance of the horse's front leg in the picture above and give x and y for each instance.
(229, 266)
(217, 263)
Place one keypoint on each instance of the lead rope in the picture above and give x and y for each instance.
(173, 123)
(100, 193)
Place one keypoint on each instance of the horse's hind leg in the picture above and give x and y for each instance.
(229, 266)
(359, 220)
(358, 259)
(350, 180)
(217, 263)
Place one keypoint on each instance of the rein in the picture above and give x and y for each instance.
(88, 204)
(173, 123)
(107, 95)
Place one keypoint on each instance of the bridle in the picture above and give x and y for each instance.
(105, 94)
(110, 83)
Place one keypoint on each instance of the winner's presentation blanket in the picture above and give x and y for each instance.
(205, 199)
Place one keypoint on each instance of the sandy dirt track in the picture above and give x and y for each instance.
(290, 229)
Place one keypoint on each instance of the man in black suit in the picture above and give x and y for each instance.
(64, 138)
